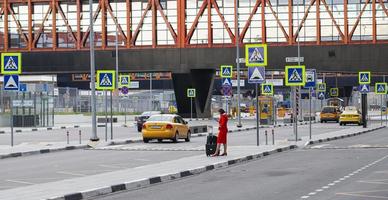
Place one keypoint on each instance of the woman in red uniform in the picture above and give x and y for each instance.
(223, 130)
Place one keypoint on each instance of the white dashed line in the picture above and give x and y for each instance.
(22, 182)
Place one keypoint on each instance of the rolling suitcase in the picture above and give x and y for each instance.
(211, 144)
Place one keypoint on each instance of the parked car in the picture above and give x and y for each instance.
(166, 126)
(143, 117)
(330, 113)
(351, 115)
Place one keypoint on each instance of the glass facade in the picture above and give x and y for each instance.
(148, 23)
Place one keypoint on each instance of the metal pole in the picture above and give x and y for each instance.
(125, 112)
(79, 132)
(67, 137)
(106, 115)
(92, 74)
(191, 108)
(11, 119)
(111, 115)
(381, 110)
(257, 116)
(151, 91)
(385, 104)
(52, 78)
(295, 116)
(238, 66)
(310, 101)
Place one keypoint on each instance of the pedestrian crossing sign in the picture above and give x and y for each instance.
(191, 92)
(381, 88)
(11, 82)
(256, 75)
(295, 75)
(255, 55)
(124, 81)
(106, 79)
(226, 71)
(334, 92)
(11, 63)
(321, 87)
(267, 89)
(364, 78)
(364, 89)
(321, 95)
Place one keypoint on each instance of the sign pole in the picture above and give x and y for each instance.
(106, 115)
(125, 112)
(191, 108)
(238, 66)
(381, 110)
(111, 115)
(92, 74)
(386, 112)
(310, 96)
(257, 115)
(11, 105)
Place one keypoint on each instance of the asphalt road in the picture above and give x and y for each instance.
(50, 167)
(342, 170)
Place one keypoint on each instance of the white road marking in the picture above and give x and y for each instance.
(111, 166)
(70, 173)
(22, 182)
(305, 197)
(312, 193)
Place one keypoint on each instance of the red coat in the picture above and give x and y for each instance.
(223, 129)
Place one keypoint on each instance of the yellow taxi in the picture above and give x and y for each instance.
(165, 126)
(351, 115)
(330, 113)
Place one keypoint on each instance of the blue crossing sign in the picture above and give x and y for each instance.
(191, 92)
(256, 75)
(381, 88)
(256, 55)
(124, 81)
(11, 82)
(321, 95)
(22, 87)
(106, 79)
(226, 71)
(334, 92)
(227, 81)
(321, 87)
(364, 78)
(311, 78)
(295, 75)
(11, 63)
(364, 89)
(267, 89)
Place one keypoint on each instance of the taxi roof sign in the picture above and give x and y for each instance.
(381, 88)
(256, 55)
(226, 71)
(267, 89)
(295, 75)
(364, 78)
(106, 79)
(11, 63)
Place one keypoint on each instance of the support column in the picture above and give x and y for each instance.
(200, 79)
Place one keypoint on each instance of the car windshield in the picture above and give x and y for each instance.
(149, 113)
(328, 110)
(163, 118)
(350, 108)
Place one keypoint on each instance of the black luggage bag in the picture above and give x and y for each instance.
(211, 144)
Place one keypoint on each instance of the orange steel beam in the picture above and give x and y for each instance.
(332, 18)
(209, 24)
(103, 24)
(62, 14)
(383, 6)
(6, 44)
(195, 23)
(79, 36)
(346, 23)
(128, 18)
(248, 23)
(18, 25)
(154, 24)
(115, 20)
(231, 35)
(358, 19)
(86, 35)
(290, 23)
(181, 11)
(263, 27)
(269, 5)
(37, 35)
(374, 31)
(318, 21)
(30, 25)
(168, 24)
(54, 24)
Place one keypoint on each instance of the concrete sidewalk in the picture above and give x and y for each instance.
(138, 177)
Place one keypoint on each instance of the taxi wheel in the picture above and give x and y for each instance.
(145, 140)
(175, 139)
(187, 139)
(160, 140)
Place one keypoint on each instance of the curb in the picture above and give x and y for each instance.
(342, 136)
(41, 151)
(166, 178)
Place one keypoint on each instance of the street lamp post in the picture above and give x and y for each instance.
(238, 66)
(94, 136)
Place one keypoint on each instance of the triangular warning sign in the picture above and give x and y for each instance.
(124, 80)
(11, 83)
(11, 65)
(381, 88)
(295, 76)
(364, 78)
(226, 82)
(321, 87)
(364, 88)
(105, 81)
(256, 56)
(267, 89)
(256, 75)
